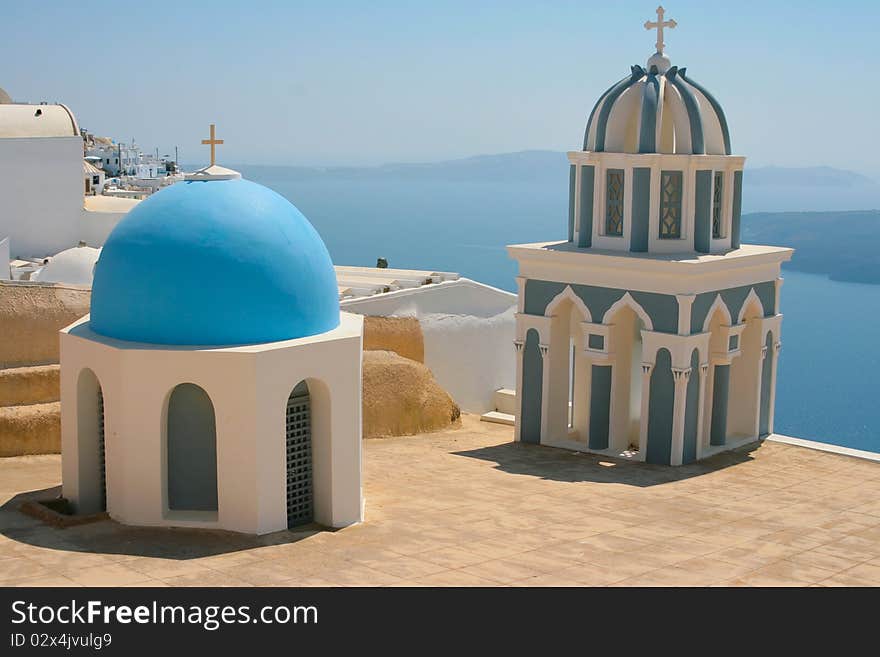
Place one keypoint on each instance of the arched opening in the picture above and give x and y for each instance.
(745, 374)
(532, 387)
(660, 409)
(626, 378)
(692, 411)
(298, 448)
(766, 385)
(718, 377)
(568, 392)
(191, 450)
(92, 496)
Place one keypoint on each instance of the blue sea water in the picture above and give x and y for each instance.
(826, 388)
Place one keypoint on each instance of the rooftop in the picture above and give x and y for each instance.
(468, 507)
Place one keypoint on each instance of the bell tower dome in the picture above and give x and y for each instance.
(651, 333)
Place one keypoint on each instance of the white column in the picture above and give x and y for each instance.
(520, 294)
(685, 304)
(643, 418)
(680, 377)
(703, 408)
(773, 367)
(519, 346)
(545, 391)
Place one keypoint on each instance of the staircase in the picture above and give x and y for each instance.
(30, 410)
(505, 408)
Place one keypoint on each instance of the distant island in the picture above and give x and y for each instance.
(841, 245)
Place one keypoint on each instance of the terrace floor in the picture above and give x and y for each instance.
(467, 507)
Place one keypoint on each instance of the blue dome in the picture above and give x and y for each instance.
(219, 262)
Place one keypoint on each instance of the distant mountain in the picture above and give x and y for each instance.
(842, 245)
(805, 177)
(549, 165)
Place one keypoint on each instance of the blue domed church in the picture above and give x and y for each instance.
(215, 384)
(651, 332)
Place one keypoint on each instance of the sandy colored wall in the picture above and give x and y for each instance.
(31, 315)
(402, 335)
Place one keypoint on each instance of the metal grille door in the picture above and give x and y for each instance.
(101, 459)
(299, 461)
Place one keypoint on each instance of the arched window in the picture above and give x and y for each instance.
(717, 201)
(298, 443)
(90, 444)
(192, 450)
(614, 203)
(670, 204)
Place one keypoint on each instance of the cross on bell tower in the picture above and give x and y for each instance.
(659, 24)
(212, 142)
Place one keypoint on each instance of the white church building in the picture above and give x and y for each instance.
(651, 332)
(215, 384)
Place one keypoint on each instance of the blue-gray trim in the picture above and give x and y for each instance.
(532, 382)
(720, 390)
(695, 119)
(766, 382)
(600, 406)
(660, 411)
(641, 209)
(648, 128)
(736, 216)
(703, 211)
(596, 341)
(572, 186)
(585, 236)
(661, 308)
(191, 436)
(605, 112)
(692, 411)
(734, 298)
(596, 108)
(715, 106)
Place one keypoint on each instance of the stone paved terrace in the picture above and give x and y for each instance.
(468, 507)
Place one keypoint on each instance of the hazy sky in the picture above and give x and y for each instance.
(372, 81)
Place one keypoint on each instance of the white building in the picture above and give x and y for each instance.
(215, 383)
(41, 178)
(652, 332)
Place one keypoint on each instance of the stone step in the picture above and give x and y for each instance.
(498, 418)
(30, 429)
(505, 401)
(38, 384)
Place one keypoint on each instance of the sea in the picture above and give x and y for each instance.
(827, 382)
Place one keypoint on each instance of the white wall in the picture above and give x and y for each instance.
(471, 357)
(41, 187)
(94, 227)
(5, 257)
(469, 330)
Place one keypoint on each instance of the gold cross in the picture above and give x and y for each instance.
(659, 24)
(213, 142)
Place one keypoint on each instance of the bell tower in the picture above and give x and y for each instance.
(651, 333)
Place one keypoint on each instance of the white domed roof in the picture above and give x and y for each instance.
(74, 266)
(658, 110)
(19, 120)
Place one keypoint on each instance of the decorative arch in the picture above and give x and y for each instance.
(90, 443)
(627, 301)
(750, 298)
(716, 305)
(568, 295)
(191, 449)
